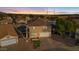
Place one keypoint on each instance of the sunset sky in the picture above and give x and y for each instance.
(39, 9)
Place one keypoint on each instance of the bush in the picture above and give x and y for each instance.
(36, 43)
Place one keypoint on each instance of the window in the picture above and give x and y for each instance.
(33, 28)
(44, 27)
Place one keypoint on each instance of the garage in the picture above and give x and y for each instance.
(8, 42)
(45, 34)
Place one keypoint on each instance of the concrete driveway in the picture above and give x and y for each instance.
(48, 44)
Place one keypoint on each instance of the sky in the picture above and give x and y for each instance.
(20, 9)
(73, 9)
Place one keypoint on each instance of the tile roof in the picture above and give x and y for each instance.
(37, 22)
(7, 29)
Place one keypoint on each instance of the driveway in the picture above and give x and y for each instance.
(51, 45)
(47, 43)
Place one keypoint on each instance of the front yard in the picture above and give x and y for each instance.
(36, 43)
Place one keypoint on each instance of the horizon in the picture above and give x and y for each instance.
(40, 10)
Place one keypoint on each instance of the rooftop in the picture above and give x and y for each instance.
(7, 29)
(37, 22)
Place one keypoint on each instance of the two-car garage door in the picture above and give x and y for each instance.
(8, 42)
(42, 34)
(45, 34)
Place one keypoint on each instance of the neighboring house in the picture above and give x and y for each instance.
(52, 22)
(6, 20)
(39, 28)
(8, 35)
(21, 19)
(10, 20)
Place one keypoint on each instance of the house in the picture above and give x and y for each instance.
(8, 35)
(6, 20)
(22, 19)
(39, 28)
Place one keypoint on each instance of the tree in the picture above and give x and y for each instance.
(60, 27)
(66, 26)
